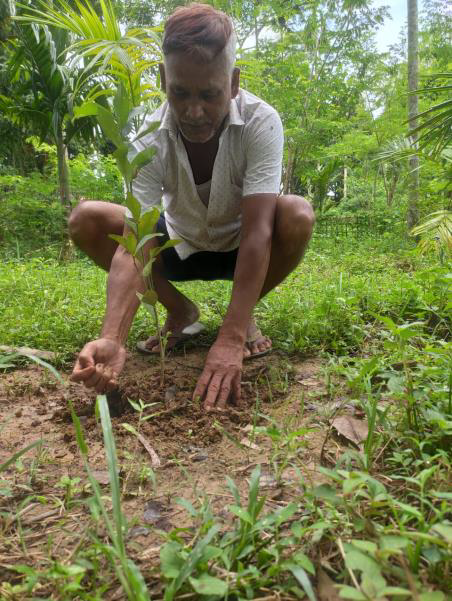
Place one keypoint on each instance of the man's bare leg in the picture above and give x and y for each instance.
(294, 222)
(91, 222)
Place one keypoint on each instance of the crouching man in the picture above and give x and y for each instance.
(217, 168)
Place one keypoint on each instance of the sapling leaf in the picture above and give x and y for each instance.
(148, 221)
(168, 244)
(145, 239)
(147, 131)
(150, 297)
(134, 206)
(122, 161)
(121, 240)
(131, 224)
(148, 267)
(141, 159)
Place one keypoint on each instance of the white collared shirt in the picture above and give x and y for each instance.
(248, 161)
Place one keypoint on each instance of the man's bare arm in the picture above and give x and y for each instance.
(100, 361)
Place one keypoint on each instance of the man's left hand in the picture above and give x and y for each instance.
(220, 379)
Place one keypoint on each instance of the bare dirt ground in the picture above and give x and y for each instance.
(42, 517)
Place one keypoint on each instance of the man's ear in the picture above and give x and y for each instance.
(162, 77)
(235, 82)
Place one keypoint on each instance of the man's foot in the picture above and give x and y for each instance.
(175, 324)
(256, 343)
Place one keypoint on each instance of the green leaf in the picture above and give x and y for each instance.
(432, 596)
(168, 244)
(241, 513)
(88, 109)
(171, 562)
(150, 297)
(141, 159)
(348, 592)
(303, 561)
(235, 491)
(145, 239)
(326, 492)
(148, 221)
(122, 161)
(154, 125)
(134, 206)
(209, 585)
(445, 531)
(78, 431)
(148, 267)
(109, 125)
(393, 543)
(355, 560)
(303, 580)
(113, 471)
(121, 105)
(16, 456)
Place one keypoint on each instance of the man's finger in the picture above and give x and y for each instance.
(225, 392)
(236, 389)
(202, 384)
(94, 380)
(213, 390)
(81, 375)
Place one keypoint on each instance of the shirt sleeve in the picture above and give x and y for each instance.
(264, 153)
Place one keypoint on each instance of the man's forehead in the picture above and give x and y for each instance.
(180, 68)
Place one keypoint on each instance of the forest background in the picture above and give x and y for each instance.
(343, 106)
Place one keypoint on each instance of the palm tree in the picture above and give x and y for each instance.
(41, 95)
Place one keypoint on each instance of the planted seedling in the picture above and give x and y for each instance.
(140, 240)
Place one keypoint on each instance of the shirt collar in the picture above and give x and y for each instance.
(167, 122)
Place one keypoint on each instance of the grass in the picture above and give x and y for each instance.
(325, 305)
(378, 526)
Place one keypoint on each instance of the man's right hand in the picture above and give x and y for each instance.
(99, 363)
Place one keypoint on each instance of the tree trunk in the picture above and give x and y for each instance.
(63, 174)
(289, 170)
(344, 195)
(413, 82)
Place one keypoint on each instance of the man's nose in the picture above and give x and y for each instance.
(195, 112)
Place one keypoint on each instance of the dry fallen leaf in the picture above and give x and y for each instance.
(247, 443)
(354, 430)
(325, 587)
(155, 459)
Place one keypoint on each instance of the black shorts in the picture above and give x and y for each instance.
(203, 265)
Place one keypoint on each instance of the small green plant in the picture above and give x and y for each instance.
(257, 552)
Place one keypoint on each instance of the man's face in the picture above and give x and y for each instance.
(199, 94)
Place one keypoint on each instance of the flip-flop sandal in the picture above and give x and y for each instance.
(256, 336)
(187, 333)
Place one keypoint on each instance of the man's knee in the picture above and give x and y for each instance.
(295, 218)
(81, 220)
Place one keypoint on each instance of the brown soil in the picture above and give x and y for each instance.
(196, 450)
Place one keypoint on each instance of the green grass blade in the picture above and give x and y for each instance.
(112, 462)
(16, 456)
